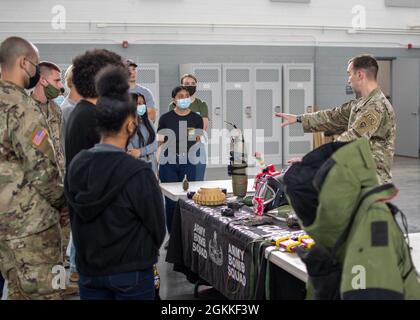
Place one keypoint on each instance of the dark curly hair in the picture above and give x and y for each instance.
(87, 65)
(114, 104)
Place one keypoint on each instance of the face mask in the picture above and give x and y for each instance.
(141, 109)
(191, 89)
(183, 103)
(33, 80)
(51, 92)
(59, 100)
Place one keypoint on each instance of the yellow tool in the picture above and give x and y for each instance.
(277, 242)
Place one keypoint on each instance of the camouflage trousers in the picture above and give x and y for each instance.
(65, 238)
(27, 264)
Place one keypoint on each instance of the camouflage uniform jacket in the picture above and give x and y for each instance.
(372, 117)
(53, 116)
(31, 189)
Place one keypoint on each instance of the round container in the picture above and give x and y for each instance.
(210, 197)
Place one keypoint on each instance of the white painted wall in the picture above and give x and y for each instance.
(321, 22)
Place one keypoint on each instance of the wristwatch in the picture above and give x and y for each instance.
(299, 118)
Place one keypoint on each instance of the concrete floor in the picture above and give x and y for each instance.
(406, 176)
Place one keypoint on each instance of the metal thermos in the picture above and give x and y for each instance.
(238, 163)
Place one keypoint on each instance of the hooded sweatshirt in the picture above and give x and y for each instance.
(116, 211)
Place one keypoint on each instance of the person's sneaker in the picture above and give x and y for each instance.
(166, 245)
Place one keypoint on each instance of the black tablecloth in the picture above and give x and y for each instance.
(227, 254)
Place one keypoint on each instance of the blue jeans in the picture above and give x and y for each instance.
(201, 166)
(137, 285)
(72, 256)
(175, 173)
(200, 171)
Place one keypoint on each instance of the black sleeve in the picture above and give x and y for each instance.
(147, 200)
(92, 133)
(92, 138)
(161, 124)
(81, 133)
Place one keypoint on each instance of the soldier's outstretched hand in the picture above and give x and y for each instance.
(287, 118)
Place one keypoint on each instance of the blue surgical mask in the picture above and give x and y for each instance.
(183, 103)
(141, 109)
(59, 100)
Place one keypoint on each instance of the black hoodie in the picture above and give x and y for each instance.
(116, 211)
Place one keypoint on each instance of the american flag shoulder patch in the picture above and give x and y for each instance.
(39, 136)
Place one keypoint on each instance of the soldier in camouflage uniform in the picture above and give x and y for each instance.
(48, 88)
(31, 190)
(370, 116)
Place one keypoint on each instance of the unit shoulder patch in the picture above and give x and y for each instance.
(367, 122)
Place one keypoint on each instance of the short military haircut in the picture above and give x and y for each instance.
(87, 65)
(47, 66)
(189, 75)
(367, 63)
(13, 48)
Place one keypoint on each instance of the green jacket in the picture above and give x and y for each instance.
(374, 260)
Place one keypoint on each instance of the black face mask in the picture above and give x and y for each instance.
(33, 80)
(191, 89)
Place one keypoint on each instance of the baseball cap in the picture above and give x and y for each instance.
(130, 62)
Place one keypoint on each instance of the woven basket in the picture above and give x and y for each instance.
(210, 197)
